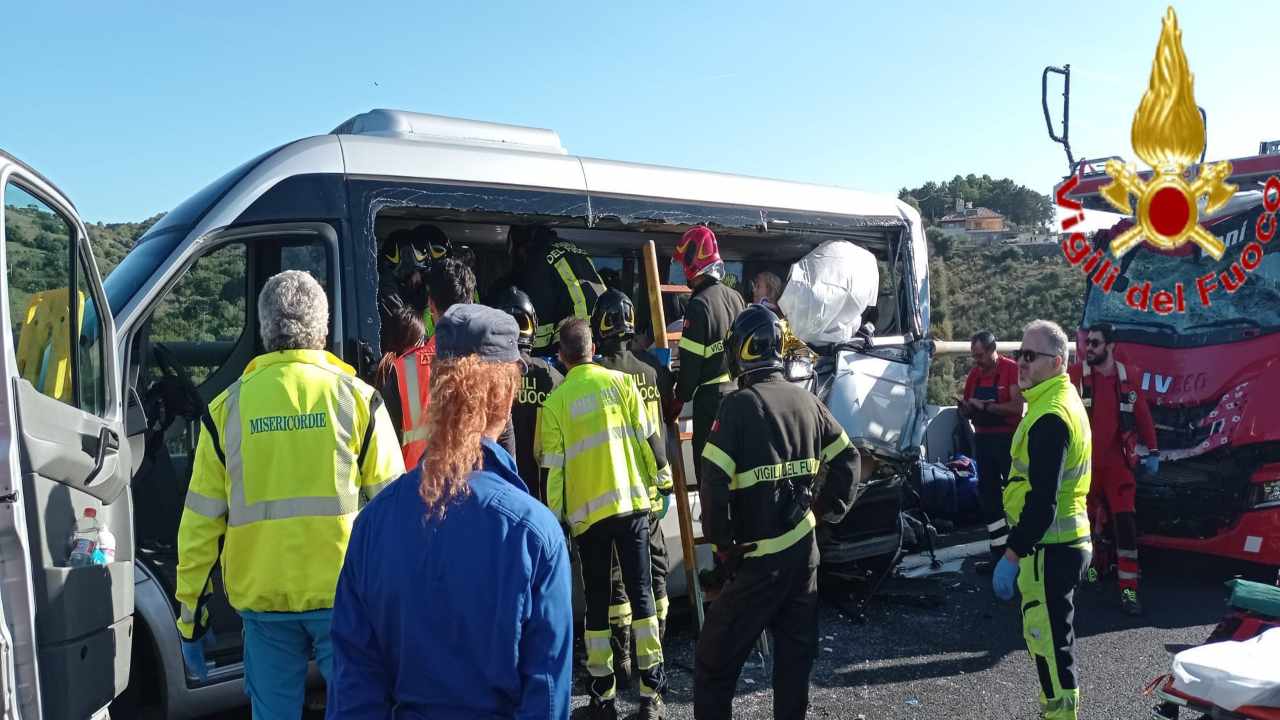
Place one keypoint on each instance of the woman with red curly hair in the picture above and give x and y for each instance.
(456, 597)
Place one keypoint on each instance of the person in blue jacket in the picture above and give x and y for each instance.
(455, 600)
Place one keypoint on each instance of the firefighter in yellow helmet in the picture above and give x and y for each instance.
(603, 453)
(284, 458)
(1048, 548)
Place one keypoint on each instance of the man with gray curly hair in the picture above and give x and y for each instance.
(293, 313)
(286, 454)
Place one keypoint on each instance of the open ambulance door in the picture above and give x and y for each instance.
(69, 629)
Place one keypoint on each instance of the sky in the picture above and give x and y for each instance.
(130, 107)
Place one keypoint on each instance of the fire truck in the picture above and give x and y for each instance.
(1209, 368)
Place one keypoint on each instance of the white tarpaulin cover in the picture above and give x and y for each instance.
(1232, 674)
(828, 290)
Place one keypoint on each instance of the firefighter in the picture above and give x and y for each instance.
(405, 257)
(613, 325)
(703, 378)
(1119, 416)
(285, 454)
(539, 379)
(558, 277)
(603, 453)
(1048, 547)
(760, 467)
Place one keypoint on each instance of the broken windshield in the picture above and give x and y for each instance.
(1253, 307)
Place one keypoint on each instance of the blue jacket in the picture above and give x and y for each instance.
(466, 617)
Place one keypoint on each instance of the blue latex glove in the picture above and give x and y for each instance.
(666, 505)
(193, 654)
(1151, 464)
(1004, 578)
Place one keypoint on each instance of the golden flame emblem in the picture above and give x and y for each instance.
(1168, 134)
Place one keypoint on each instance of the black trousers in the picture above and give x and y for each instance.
(992, 452)
(658, 572)
(627, 537)
(706, 404)
(1047, 581)
(778, 592)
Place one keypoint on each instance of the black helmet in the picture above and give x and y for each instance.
(512, 301)
(755, 341)
(405, 252)
(614, 317)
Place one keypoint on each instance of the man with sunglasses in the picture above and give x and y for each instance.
(1120, 417)
(993, 403)
(1048, 548)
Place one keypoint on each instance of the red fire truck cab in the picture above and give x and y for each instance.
(1210, 371)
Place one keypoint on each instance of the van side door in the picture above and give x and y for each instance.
(61, 415)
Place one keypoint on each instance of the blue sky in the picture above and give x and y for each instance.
(132, 106)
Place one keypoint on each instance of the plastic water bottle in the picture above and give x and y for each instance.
(87, 542)
(106, 550)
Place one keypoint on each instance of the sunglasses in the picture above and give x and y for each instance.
(1029, 356)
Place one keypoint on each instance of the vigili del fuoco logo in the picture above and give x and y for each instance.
(1168, 134)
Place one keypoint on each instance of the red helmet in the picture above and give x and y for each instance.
(697, 251)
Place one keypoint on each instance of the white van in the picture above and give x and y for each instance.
(102, 409)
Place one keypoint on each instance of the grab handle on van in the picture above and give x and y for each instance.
(108, 443)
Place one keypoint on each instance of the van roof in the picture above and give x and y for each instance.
(397, 143)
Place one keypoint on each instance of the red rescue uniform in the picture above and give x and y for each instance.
(1112, 445)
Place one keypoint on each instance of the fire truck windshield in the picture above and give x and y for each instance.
(1252, 309)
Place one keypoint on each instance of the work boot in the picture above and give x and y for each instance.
(651, 709)
(1129, 602)
(602, 710)
(620, 641)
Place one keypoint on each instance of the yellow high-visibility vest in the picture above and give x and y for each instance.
(594, 438)
(295, 442)
(1056, 396)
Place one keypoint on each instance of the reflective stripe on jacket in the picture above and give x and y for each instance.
(277, 479)
(594, 438)
(656, 386)
(413, 374)
(1054, 396)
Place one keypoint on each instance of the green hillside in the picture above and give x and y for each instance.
(979, 287)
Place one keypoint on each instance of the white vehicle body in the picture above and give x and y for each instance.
(323, 203)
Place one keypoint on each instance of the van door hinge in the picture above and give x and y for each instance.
(10, 498)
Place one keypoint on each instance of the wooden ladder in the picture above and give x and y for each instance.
(669, 340)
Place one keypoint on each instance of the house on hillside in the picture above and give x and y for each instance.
(979, 223)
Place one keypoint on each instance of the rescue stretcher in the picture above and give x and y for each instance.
(1236, 674)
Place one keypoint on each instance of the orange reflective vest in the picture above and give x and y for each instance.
(413, 375)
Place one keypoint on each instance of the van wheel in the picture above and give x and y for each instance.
(144, 697)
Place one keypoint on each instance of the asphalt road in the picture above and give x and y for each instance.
(964, 657)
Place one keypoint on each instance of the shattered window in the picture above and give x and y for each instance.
(1254, 304)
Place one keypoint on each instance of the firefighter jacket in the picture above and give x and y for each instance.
(538, 382)
(655, 385)
(597, 445)
(770, 439)
(561, 282)
(710, 314)
(1119, 418)
(284, 457)
(413, 387)
(1044, 501)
